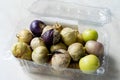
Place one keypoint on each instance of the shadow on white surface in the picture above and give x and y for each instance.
(113, 72)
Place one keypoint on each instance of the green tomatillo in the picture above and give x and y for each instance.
(90, 34)
(89, 64)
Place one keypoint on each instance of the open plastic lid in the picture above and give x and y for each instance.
(70, 10)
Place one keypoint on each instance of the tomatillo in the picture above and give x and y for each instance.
(90, 34)
(89, 64)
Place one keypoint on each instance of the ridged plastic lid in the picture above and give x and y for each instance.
(70, 10)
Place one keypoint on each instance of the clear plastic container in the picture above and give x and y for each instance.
(72, 15)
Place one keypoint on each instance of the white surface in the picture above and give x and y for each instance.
(12, 11)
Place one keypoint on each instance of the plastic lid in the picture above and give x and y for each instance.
(71, 11)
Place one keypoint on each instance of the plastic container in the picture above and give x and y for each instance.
(72, 15)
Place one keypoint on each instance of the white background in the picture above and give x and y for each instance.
(13, 10)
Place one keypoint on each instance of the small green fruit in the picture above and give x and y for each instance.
(76, 51)
(79, 38)
(61, 58)
(89, 64)
(69, 36)
(24, 36)
(36, 42)
(22, 50)
(90, 34)
(58, 46)
(40, 55)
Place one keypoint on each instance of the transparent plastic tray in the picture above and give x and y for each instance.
(72, 15)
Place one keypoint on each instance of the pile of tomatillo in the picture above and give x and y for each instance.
(59, 46)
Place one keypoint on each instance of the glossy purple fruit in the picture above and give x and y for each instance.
(51, 37)
(48, 37)
(36, 27)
